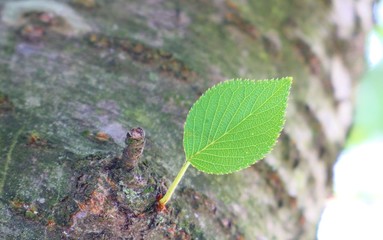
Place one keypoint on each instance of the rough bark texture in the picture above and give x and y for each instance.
(70, 91)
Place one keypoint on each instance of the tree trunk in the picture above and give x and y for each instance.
(75, 76)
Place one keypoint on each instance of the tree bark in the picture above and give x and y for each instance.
(75, 76)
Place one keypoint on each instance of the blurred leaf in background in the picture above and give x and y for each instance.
(368, 120)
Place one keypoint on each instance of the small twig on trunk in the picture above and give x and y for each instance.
(135, 143)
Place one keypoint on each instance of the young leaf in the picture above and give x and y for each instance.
(234, 124)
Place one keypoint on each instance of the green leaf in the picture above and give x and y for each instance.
(368, 124)
(235, 123)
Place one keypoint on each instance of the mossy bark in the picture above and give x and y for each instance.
(69, 94)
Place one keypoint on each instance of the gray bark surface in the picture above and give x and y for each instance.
(76, 76)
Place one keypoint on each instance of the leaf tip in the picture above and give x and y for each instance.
(290, 79)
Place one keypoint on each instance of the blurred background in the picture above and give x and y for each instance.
(356, 209)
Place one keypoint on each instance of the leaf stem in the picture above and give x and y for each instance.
(173, 186)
